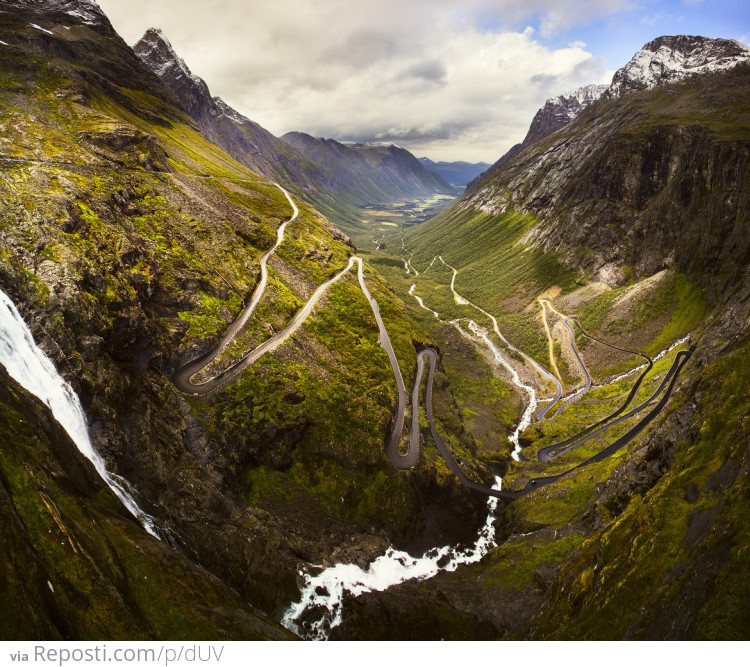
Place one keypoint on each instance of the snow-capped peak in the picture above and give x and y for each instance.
(573, 103)
(673, 58)
(86, 11)
(230, 113)
(585, 94)
(157, 52)
(663, 60)
(558, 111)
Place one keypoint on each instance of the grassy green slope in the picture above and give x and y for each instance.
(674, 562)
(129, 242)
(75, 565)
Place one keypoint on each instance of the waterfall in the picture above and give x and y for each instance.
(34, 371)
(324, 591)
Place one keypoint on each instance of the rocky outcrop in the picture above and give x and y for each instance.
(639, 185)
(670, 59)
(558, 111)
(82, 12)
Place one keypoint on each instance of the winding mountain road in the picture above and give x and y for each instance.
(545, 303)
(182, 378)
(430, 355)
(548, 454)
(669, 381)
(552, 452)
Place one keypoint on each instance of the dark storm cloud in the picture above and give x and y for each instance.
(429, 70)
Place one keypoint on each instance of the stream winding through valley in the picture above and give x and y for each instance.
(320, 607)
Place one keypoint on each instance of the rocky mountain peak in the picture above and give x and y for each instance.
(158, 54)
(558, 111)
(87, 12)
(156, 51)
(233, 115)
(676, 57)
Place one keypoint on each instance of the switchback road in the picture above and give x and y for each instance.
(182, 379)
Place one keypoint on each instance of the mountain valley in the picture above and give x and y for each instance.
(244, 317)
(337, 179)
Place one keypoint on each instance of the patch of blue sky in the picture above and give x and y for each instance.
(616, 36)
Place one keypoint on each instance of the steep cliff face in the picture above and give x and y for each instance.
(76, 566)
(646, 181)
(85, 12)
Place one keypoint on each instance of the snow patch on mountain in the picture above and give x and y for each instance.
(674, 58)
(558, 111)
(571, 104)
(157, 52)
(230, 113)
(84, 16)
(38, 27)
(86, 11)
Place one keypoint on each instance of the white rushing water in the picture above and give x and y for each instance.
(435, 314)
(478, 334)
(34, 371)
(516, 379)
(321, 605)
(323, 593)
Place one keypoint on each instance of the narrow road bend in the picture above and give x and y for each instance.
(182, 378)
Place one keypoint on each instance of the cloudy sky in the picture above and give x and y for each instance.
(450, 79)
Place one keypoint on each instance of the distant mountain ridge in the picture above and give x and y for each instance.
(370, 172)
(336, 178)
(456, 173)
